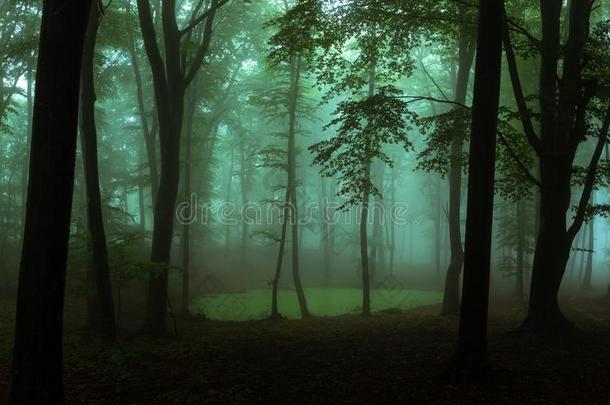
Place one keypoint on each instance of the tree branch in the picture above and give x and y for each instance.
(510, 150)
(206, 14)
(513, 154)
(152, 48)
(524, 114)
(590, 179)
(205, 41)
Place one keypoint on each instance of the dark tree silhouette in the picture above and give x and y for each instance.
(566, 106)
(37, 355)
(471, 356)
(451, 294)
(171, 78)
(101, 311)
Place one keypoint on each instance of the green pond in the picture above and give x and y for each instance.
(256, 304)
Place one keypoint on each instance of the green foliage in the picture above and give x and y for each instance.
(441, 130)
(363, 128)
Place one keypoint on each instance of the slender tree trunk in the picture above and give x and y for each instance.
(244, 186)
(471, 356)
(582, 254)
(295, 74)
(186, 227)
(149, 131)
(325, 230)
(275, 314)
(586, 280)
(364, 215)
(519, 288)
(228, 200)
(451, 296)
(37, 374)
(392, 236)
(437, 232)
(141, 197)
(104, 321)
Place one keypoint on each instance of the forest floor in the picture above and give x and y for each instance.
(390, 357)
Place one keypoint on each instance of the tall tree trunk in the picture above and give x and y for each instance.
(451, 295)
(563, 106)
(149, 131)
(37, 374)
(295, 75)
(364, 215)
(171, 77)
(104, 321)
(228, 200)
(244, 186)
(471, 356)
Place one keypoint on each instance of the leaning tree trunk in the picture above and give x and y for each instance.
(103, 309)
(37, 374)
(451, 295)
(471, 356)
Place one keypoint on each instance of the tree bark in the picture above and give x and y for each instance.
(563, 125)
(471, 356)
(37, 353)
(171, 78)
(149, 131)
(295, 74)
(244, 185)
(104, 320)
(451, 295)
(586, 280)
(186, 182)
(275, 314)
(519, 288)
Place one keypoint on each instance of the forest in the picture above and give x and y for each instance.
(304, 201)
